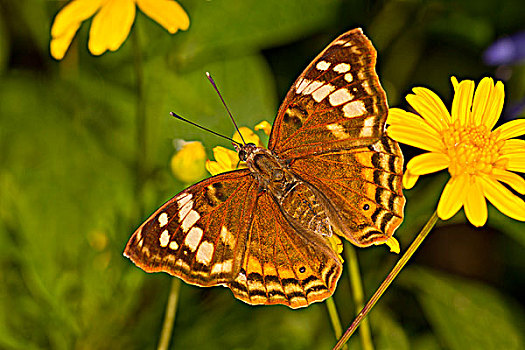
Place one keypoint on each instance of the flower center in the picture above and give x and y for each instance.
(472, 149)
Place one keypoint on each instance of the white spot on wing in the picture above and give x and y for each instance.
(340, 96)
(304, 83)
(185, 210)
(193, 238)
(349, 77)
(164, 238)
(367, 88)
(190, 220)
(322, 92)
(222, 267)
(337, 130)
(183, 199)
(354, 109)
(205, 253)
(173, 245)
(226, 237)
(367, 129)
(322, 65)
(342, 68)
(314, 85)
(163, 219)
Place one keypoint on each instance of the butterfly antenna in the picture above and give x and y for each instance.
(224, 103)
(203, 128)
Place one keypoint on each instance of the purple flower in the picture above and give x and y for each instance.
(507, 50)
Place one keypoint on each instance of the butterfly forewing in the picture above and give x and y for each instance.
(200, 234)
(336, 103)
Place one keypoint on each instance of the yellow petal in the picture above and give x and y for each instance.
(462, 102)
(188, 164)
(393, 244)
(455, 83)
(503, 199)
(264, 126)
(452, 197)
(513, 180)
(475, 204)
(59, 45)
(336, 245)
(111, 26)
(167, 13)
(430, 107)
(248, 135)
(409, 180)
(227, 158)
(428, 163)
(511, 129)
(495, 105)
(414, 137)
(71, 15)
(67, 22)
(398, 116)
(513, 146)
(481, 100)
(213, 167)
(515, 162)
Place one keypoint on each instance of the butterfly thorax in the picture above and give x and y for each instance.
(301, 203)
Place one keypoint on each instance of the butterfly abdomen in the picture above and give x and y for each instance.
(305, 209)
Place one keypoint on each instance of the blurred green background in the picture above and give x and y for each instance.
(79, 172)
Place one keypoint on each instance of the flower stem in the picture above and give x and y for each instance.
(140, 124)
(357, 291)
(388, 280)
(169, 316)
(334, 317)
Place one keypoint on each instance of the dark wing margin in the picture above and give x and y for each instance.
(336, 103)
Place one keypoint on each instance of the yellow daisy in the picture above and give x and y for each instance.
(478, 158)
(111, 23)
(227, 159)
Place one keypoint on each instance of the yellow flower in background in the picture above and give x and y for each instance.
(227, 159)
(478, 158)
(111, 23)
(188, 164)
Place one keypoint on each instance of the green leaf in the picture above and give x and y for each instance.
(466, 314)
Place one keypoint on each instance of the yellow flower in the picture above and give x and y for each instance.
(478, 158)
(187, 164)
(227, 159)
(112, 22)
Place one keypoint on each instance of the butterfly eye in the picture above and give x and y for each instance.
(242, 155)
(251, 144)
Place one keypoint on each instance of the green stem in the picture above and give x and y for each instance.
(169, 316)
(388, 280)
(334, 317)
(359, 298)
(140, 124)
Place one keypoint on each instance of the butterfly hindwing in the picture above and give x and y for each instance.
(282, 265)
(364, 187)
(336, 103)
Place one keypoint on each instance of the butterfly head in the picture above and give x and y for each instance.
(245, 151)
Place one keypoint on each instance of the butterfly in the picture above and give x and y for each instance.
(329, 169)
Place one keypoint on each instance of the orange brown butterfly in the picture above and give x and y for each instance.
(329, 169)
